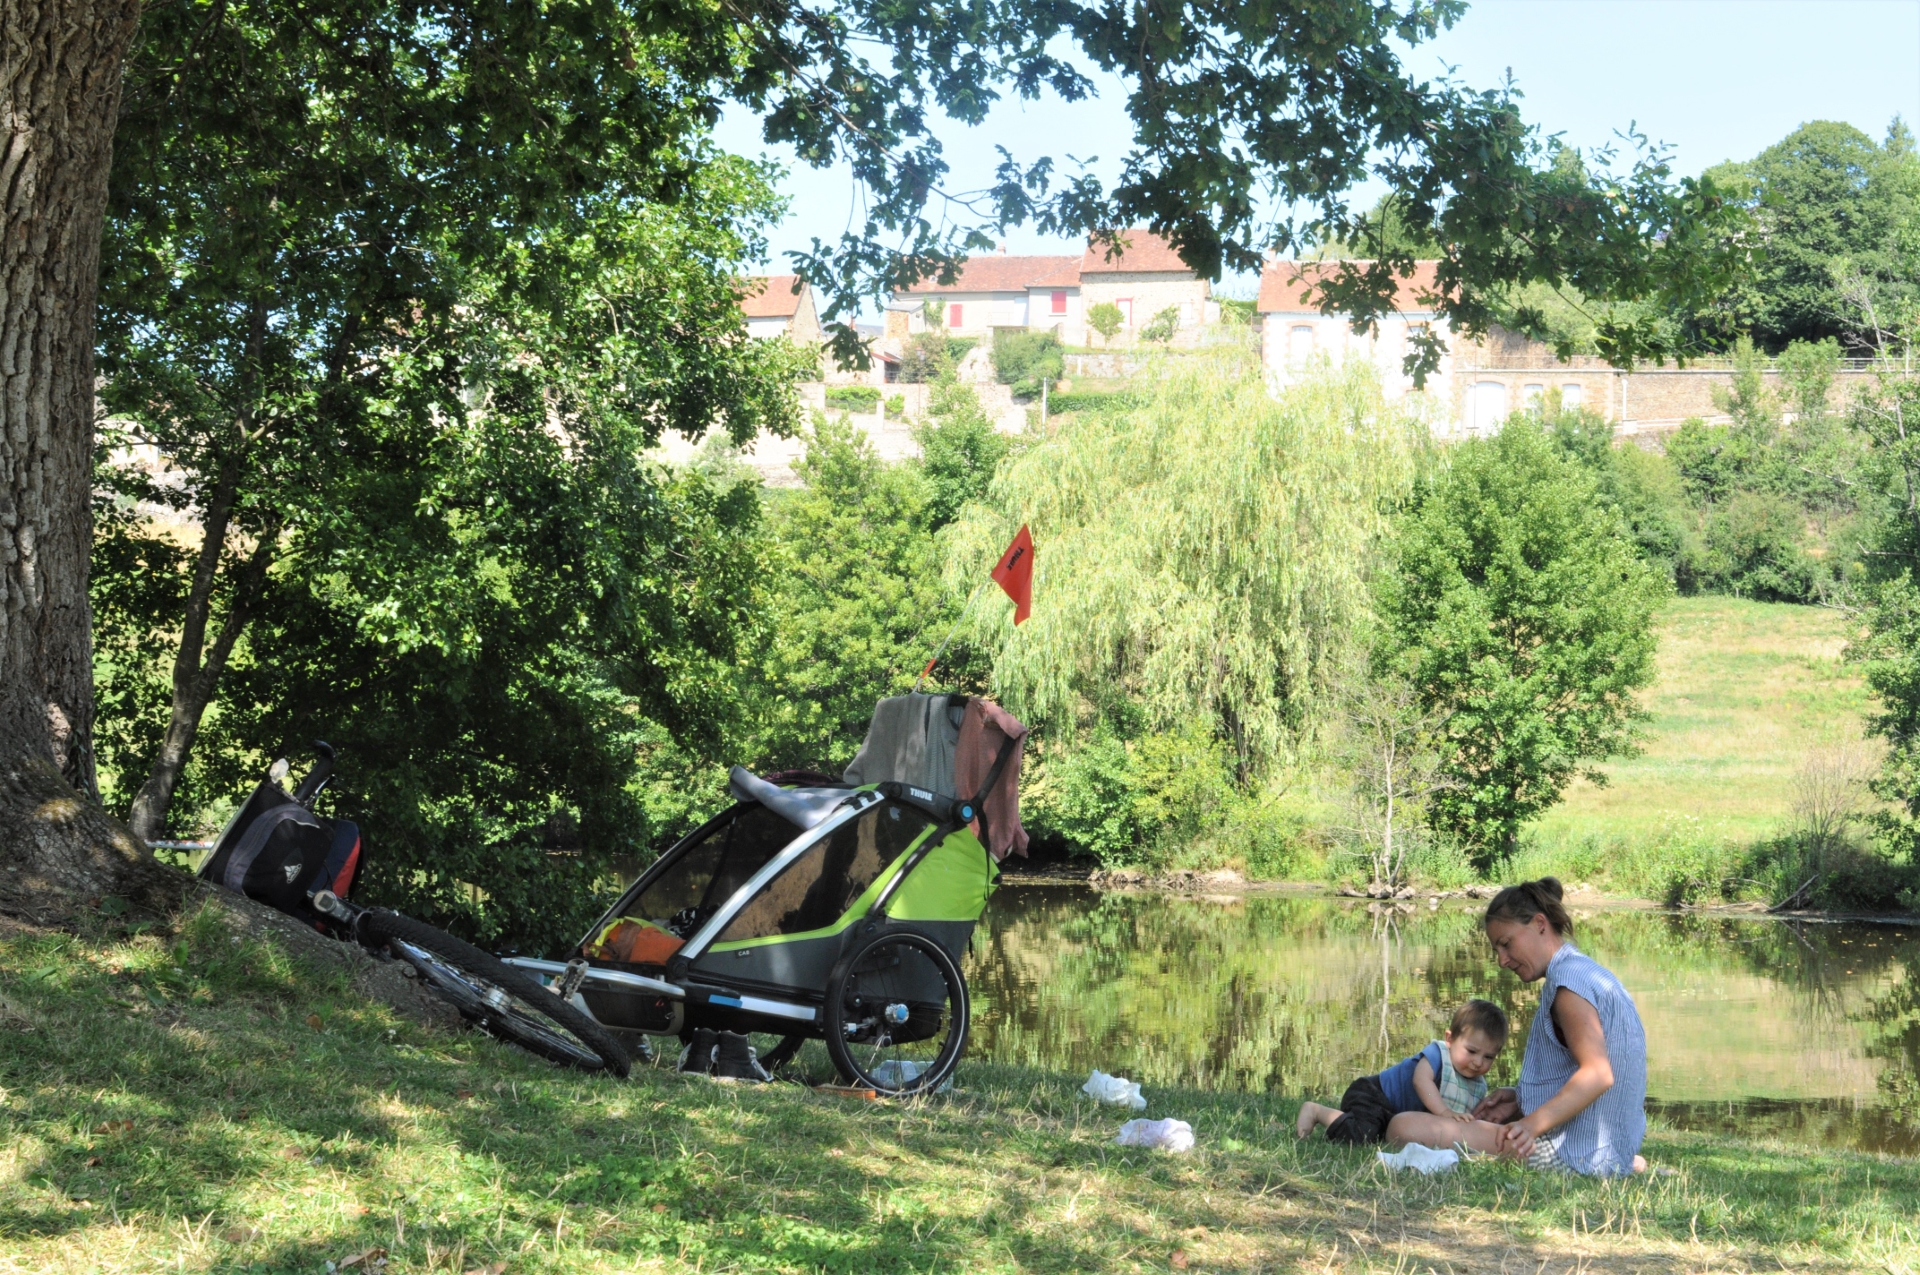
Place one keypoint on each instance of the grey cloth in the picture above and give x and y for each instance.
(912, 740)
(802, 807)
(1603, 1139)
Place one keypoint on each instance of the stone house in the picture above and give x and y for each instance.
(1481, 382)
(780, 305)
(1042, 293)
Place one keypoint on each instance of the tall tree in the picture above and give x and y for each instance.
(321, 228)
(1832, 208)
(1521, 610)
(62, 95)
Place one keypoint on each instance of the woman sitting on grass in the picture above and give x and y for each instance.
(1581, 1105)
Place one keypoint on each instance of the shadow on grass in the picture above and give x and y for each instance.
(260, 1141)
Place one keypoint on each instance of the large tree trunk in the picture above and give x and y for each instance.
(60, 63)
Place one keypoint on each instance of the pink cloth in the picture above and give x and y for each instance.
(983, 730)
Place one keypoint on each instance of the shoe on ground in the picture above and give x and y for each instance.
(697, 1058)
(735, 1059)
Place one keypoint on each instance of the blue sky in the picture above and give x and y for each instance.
(1714, 79)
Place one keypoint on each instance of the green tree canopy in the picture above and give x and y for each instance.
(1520, 609)
(1201, 549)
(1833, 210)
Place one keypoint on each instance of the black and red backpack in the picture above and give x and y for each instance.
(277, 851)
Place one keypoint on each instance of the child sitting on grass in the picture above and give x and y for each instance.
(1446, 1078)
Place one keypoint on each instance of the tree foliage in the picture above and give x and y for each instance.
(1521, 610)
(1833, 210)
(1202, 550)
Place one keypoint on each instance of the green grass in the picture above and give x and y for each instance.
(184, 1102)
(1742, 691)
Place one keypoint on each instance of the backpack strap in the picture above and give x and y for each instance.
(255, 838)
(336, 871)
(1000, 761)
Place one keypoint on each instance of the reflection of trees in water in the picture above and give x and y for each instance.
(1302, 995)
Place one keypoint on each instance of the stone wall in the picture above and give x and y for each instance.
(1150, 292)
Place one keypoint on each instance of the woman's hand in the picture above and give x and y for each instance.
(1499, 1106)
(1517, 1139)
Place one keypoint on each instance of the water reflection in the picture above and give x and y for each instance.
(1808, 1032)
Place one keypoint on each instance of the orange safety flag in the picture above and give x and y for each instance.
(1015, 574)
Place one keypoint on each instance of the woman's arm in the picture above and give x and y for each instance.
(1499, 1106)
(1579, 1026)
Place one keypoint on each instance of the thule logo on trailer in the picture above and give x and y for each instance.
(919, 794)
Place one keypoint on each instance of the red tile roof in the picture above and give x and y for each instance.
(770, 296)
(1287, 287)
(998, 272)
(1144, 251)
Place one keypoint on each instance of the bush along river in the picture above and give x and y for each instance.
(1807, 1032)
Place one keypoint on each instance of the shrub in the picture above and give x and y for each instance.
(930, 354)
(897, 407)
(1105, 319)
(1162, 326)
(1023, 359)
(853, 398)
(1239, 314)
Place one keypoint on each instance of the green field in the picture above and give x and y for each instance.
(194, 1102)
(1744, 690)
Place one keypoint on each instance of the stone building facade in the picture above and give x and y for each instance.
(780, 305)
(1481, 382)
(1142, 277)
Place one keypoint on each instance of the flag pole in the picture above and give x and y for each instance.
(928, 670)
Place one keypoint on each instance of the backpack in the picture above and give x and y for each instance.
(279, 853)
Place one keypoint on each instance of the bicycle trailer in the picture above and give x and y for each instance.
(816, 908)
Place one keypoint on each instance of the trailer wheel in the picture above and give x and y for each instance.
(896, 1014)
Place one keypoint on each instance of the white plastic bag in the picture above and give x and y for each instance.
(1162, 1135)
(1116, 1089)
(1421, 1159)
(903, 1071)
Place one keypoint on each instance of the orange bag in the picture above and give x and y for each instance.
(633, 942)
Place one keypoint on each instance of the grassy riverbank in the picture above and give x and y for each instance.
(184, 1103)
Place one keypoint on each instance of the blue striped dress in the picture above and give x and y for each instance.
(1603, 1139)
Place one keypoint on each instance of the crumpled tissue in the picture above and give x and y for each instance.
(1162, 1135)
(1421, 1159)
(1117, 1089)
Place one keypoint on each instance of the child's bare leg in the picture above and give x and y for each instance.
(1443, 1131)
(1314, 1114)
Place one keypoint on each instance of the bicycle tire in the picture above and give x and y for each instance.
(890, 969)
(506, 1003)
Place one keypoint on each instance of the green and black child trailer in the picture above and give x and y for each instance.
(815, 908)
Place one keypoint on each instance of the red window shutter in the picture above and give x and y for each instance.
(953, 316)
(1060, 301)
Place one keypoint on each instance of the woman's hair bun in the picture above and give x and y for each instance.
(1521, 903)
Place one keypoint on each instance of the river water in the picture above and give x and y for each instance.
(1802, 1031)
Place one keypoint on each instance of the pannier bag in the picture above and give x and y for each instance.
(278, 852)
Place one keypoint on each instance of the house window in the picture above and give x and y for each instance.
(954, 312)
(1126, 311)
(1570, 396)
(1058, 304)
(1300, 344)
(1488, 406)
(1533, 396)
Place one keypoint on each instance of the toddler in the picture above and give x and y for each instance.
(1447, 1078)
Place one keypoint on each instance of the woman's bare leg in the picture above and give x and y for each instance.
(1313, 1114)
(1443, 1131)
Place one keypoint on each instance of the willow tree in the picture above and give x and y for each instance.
(1203, 548)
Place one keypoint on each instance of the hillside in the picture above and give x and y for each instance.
(1743, 691)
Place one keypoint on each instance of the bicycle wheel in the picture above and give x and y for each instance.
(502, 1001)
(896, 1015)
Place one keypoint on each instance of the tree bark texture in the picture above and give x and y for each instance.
(60, 65)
